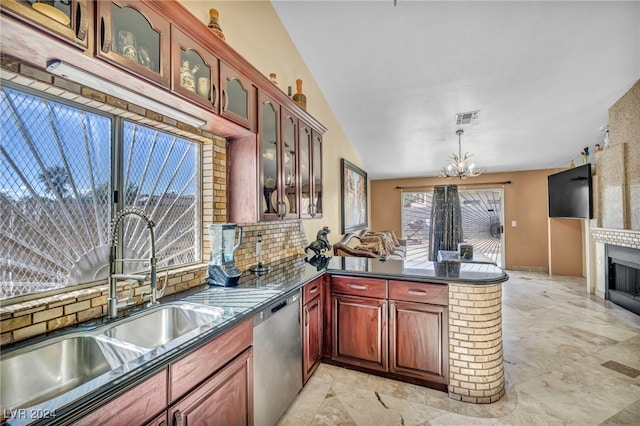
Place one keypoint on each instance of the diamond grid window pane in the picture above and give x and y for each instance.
(161, 177)
(54, 194)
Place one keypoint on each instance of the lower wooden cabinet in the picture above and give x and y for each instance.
(417, 333)
(311, 337)
(312, 327)
(139, 405)
(394, 327)
(225, 399)
(360, 331)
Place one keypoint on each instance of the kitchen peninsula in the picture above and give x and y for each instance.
(460, 303)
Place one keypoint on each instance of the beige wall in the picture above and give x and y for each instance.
(254, 30)
(525, 201)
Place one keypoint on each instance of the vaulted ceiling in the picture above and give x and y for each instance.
(541, 74)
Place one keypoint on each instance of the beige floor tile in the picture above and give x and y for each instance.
(628, 416)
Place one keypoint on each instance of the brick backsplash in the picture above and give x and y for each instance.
(281, 239)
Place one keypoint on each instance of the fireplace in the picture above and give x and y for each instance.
(623, 277)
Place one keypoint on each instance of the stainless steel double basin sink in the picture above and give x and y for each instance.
(42, 371)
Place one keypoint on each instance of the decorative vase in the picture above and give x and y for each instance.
(203, 87)
(272, 78)
(213, 25)
(299, 97)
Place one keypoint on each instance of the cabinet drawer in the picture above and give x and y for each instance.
(134, 407)
(200, 364)
(435, 294)
(311, 290)
(367, 287)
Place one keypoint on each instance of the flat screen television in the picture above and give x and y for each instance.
(571, 193)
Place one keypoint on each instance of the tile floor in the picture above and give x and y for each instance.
(570, 359)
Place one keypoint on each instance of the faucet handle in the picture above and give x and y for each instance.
(160, 293)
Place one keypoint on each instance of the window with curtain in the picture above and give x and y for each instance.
(65, 171)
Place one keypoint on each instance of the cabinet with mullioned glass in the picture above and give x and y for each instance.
(195, 71)
(69, 20)
(135, 37)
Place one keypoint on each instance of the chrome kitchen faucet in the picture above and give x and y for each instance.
(113, 304)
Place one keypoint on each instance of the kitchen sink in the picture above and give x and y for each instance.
(38, 373)
(162, 324)
(42, 371)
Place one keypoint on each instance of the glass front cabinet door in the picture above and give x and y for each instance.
(194, 71)
(238, 97)
(134, 37)
(269, 137)
(69, 19)
(289, 176)
(316, 206)
(304, 150)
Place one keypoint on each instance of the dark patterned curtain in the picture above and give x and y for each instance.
(446, 221)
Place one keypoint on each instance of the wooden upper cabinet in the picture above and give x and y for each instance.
(136, 38)
(310, 150)
(288, 196)
(316, 172)
(195, 71)
(238, 97)
(305, 153)
(70, 21)
(269, 161)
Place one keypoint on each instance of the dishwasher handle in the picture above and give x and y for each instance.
(278, 306)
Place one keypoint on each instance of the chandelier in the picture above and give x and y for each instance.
(459, 166)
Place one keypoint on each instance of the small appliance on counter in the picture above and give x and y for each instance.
(260, 268)
(225, 239)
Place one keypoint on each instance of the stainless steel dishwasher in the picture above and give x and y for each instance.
(277, 359)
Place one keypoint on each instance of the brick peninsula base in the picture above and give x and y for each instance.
(476, 369)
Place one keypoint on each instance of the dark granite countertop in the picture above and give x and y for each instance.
(242, 302)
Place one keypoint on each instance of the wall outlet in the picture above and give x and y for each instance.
(514, 223)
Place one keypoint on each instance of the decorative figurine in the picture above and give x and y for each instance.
(213, 25)
(585, 155)
(598, 148)
(321, 244)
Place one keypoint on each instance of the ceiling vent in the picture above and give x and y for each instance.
(466, 117)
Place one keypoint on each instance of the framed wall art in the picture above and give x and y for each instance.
(353, 182)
